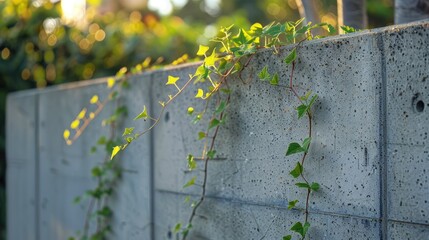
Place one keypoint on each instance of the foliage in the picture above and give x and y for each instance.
(231, 54)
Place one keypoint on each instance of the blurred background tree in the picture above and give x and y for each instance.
(42, 44)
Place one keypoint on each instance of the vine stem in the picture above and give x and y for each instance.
(309, 116)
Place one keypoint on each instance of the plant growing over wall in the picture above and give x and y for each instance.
(232, 53)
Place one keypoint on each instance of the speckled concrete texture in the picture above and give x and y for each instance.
(369, 153)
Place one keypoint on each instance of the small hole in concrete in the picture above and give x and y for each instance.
(166, 117)
(420, 106)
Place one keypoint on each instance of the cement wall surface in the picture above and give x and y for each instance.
(370, 149)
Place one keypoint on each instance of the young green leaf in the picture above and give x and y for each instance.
(211, 154)
(202, 50)
(296, 172)
(191, 162)
(300, 229)
(303, 185)
(263, 74)
(331, 29)
(288, 237)
(315, 186)
(105, 211)
(348, 29)
(201, 135)
(306, 144)
(214, 123)
(172, 80)
(96, 172)
(313, 99)
(143, 114)
(275, 79)
(301, 109)
(221, 107)
(102, 140)
(177, 228)
(294, 148)
(292, 204)
(291, 57)
(128, 131)
(115, 151)
(190, 182)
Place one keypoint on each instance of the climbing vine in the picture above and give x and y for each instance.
(232, 52)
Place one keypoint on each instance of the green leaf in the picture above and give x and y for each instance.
(313, 99)
(331, 29)
(211, 154)
(96, 171)
(201, 135)
(115, 151)
(348, 29)
(177, 227)
(191, 162)
(242, 38)
(288, 237)
(303, 185)
(143, 114)
(77, 199)
(202, 50)
(296, 172)
(263, 74)
(128, 131)
(294, 148)
(306, 96)
(292, 204)
(306, 144)
(172, 80)
(275, 79)
(221, 107)
(291, 57)
(214, 123)
(102, 140)
(301, 109)
(190, 182)
(315, 186)
(187, 199)
(300, 229)
(105, 211)
(93, 149)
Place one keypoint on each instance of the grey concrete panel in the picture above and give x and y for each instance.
(65, 171)
(407, 231)
(131, 201)
(262, 122)
(407, 61)
(21, 166)
(231, 219)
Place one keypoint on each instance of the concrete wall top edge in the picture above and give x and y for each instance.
(81, 84)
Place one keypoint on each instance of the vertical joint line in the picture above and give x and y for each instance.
(383, 140)
(151, 164)
(37, 168)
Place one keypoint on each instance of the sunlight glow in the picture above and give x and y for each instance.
(74, 11)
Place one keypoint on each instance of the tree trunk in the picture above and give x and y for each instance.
(308, 10)
(411, 10)
(352, 13)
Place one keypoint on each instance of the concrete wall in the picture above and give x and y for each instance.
(370, 151)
